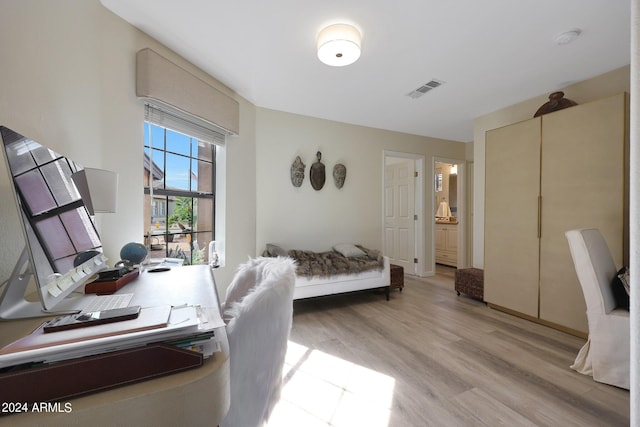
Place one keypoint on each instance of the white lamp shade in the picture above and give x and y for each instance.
(98, 189)
(443, 210)
(339, 45)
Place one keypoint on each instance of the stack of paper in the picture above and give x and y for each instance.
(154, 324)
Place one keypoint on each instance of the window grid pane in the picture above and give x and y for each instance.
(179, 220)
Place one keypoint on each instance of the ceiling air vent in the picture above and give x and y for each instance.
(417, 93)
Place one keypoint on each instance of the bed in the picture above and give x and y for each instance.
(345, 268)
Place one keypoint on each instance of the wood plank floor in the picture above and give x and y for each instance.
(429, 357)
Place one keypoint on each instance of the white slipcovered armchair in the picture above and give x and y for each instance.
(258, 310)
(605, 356)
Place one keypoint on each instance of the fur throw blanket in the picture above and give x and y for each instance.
(332, 263)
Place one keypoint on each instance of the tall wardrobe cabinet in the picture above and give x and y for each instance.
(544, 176)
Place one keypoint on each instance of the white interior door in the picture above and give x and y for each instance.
(399, 222)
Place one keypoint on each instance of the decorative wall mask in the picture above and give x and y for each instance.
(339, 174)
(317, 174)
(297, 172)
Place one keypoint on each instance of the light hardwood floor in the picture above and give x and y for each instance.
(429, 357)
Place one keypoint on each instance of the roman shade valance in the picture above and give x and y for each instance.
(165, 85)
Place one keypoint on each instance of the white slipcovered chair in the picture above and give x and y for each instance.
(605, 356)
(258, 310)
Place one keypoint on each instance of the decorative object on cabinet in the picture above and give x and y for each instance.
(317, 173)
(556, 102)
(470, 281)
(297, 172)
(560, 171)
(339, 174)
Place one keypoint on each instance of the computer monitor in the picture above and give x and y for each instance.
(63, 249)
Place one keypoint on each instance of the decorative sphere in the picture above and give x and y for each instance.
(134, 252)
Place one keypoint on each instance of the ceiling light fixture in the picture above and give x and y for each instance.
(567, 37)
(339, 45)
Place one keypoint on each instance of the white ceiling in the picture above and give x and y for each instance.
(490, 53)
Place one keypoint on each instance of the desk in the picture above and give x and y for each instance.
(195, 397)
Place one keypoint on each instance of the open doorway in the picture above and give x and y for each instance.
(449, 213)
(403, 240)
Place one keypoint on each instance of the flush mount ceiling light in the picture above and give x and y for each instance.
(567, 37)
(339, 45)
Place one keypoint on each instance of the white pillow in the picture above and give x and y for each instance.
(275, 250)
(348, 250)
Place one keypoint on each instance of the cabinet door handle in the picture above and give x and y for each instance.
(539, 217)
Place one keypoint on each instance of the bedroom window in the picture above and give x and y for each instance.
(179, 187)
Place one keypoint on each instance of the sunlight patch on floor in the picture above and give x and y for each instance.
(323, 390)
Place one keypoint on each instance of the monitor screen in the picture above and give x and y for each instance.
(61, 237)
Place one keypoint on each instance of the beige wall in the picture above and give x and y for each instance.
(303, 218)
(70, 85)
(67, 80)
(598, 87)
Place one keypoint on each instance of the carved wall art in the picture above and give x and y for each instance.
(339, 174)
(317, 174)
(297, 172)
